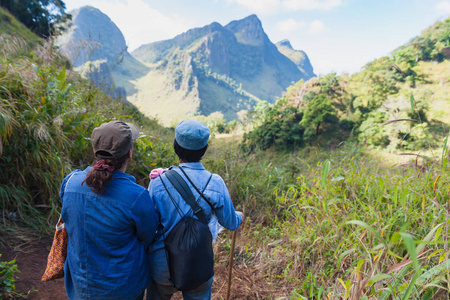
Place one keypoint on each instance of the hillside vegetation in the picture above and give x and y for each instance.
(47, 113)
(412, 83)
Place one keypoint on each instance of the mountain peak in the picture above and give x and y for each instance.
(88, 8)
(92, 36)
(252, 18)
(285, 43)
(248, 30)
(215, 26)
(299, 57)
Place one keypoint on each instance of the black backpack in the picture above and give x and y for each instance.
(188, 246)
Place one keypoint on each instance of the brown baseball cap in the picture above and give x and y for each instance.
(112, 140)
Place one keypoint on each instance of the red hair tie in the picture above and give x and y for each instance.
(101, 165)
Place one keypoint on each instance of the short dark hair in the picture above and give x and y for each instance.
(189, 155)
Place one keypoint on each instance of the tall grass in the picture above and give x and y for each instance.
(342, 224)
(47, 113)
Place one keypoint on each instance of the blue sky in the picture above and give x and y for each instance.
(337, 35)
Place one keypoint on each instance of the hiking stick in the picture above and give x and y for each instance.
(230, 264)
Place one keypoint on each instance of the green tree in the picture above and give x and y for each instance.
(430, 43)
(318, 111)
(276, 126)
(330, 86)
(38, 15)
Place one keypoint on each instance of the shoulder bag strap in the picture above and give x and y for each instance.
(180, 185)
(201, 194)
(60, 224)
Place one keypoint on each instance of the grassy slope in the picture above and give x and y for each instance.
(9, 25)
(127, 72)
(222, 99)
(155, 99)
(297, 237)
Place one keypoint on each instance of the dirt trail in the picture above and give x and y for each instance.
(31, 262)
(32, 259)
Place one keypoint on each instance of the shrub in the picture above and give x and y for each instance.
(280, 127)
(8, 270)
(318, 111)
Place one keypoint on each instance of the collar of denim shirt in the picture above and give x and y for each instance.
(193, 165)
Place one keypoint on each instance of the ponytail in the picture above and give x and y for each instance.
(102, 172)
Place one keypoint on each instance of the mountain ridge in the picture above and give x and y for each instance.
(214, 68)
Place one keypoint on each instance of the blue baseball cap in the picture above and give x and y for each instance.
(192, 134)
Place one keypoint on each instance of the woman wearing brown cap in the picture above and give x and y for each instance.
(110, 221)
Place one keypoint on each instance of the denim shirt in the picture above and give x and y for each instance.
(216, 192)
(109, 236)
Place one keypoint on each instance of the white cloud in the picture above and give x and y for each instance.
(273, 6)
(138, 21)
(263, 7)
(443, 7)
(311, 4)
(290, 25)
(316, 26)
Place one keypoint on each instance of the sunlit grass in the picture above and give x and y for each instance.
(342, 223)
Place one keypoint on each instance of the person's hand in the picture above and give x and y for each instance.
(156, 172)
(241, 214)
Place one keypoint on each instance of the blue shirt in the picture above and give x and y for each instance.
(109, 236)
(216, 192)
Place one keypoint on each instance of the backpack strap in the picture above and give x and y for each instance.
(180, 212)
(201, 194)
(183, 189)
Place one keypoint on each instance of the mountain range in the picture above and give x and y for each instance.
(226, 69)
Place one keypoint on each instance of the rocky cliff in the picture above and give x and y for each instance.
(92, 36)
(231, 67)
(299, 57)
(95, 45)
